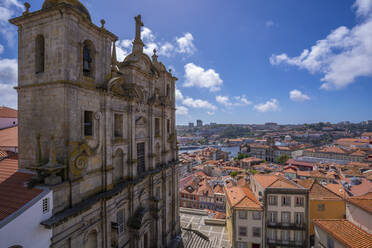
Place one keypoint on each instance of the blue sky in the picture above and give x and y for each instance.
(241, 61)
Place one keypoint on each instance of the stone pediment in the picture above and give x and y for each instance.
(141, 61)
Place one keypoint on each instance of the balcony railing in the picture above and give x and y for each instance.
(286, 243)
(286, 225)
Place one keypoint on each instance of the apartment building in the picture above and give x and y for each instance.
(286, 208)
(244, 218)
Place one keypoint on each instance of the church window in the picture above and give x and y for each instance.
(157, 127)
(168, 90)
(141, 158)
(39, 54)
(118, 125)
(88, 59)
(88, 123)
(168, 126)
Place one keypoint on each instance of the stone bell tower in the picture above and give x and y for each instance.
(61, 54)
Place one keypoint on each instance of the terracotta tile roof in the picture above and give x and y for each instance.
(363, 201)
(273, 181)
(320, 192)
(306, 183)
(251, 159)
(6, 112)
(9, 137)
(337, 189)
(242, 197)
(13, 193)
(361, 189)
(300, 163)
(346, 233)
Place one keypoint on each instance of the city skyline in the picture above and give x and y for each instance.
(248, 62)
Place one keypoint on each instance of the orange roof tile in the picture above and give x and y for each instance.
(242, 197)
(6, 112)
(337, 189)
(9, 137)
(273, 181)
(363, 201)
(346, 232)
(13, 193)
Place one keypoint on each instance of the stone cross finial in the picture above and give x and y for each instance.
(139, 24)
(154, 51)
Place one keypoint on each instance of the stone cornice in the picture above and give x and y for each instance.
(84, 205)
(18, 21)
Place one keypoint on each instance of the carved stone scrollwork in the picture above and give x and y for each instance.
(79, 158)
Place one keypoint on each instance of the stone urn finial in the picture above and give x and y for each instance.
(27, 6)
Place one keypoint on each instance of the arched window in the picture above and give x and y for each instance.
(168, 90)
(91, 241)
(39, 54)
(88, 59)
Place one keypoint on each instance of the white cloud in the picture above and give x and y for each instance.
(298, 96)
(269, 106)
(223, 100)
(8, 9)
(196, 76)
(179, 95)
(8, 79)
(166, 49)
(242, 100)
(344, 55)
(269, 24)
(182, 110)
(185, 44)
(8, 71)
(210, 113)
(238, 101)
(147, 35)
(198, 103)
(1, 49)
(363, 7)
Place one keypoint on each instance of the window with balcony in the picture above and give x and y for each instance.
(299, 217)
(256, 215)
(286, 201)
(286, 217)
(242, 231)
(285, 235)
(256, 232)
(272, 234)
(273, 200)
(299, 201)
(273, 217)
(242, 214)
(298, 236)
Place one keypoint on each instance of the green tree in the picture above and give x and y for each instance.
(233, 174)
(283, 159)
(241, 155)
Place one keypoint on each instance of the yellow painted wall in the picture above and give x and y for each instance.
(335, 209)
(229, 221)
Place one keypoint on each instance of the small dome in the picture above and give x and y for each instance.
(74, 3)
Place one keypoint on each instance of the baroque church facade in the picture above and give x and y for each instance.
(100, 133)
